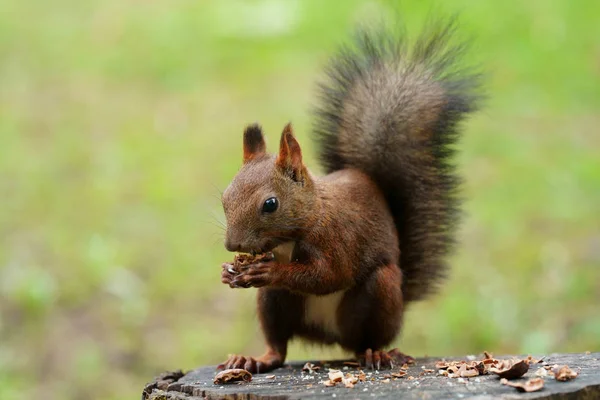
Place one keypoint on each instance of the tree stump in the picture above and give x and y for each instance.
(422, 381)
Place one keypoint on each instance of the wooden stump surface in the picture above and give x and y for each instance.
(290, 382)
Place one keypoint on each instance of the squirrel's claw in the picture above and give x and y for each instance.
(264, 363)
(237, 361)
(228, 274)
(256, 275)
(383, 359)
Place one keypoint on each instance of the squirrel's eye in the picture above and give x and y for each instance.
(270, 205)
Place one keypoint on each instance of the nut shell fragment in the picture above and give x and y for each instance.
(564, 373)
(232, 375)
(511, 369)
(532, 385)
(349, 380)
(362, 376)
(242, 261)
(310, 368)
(398, 374)
(335, 375)
(468, 372)
(532, 360)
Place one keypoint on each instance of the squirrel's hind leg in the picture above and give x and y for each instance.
(377, 308)
(280, 314)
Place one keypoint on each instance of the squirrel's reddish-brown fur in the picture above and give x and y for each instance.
(353, 247)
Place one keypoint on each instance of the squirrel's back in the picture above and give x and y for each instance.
(392, 111)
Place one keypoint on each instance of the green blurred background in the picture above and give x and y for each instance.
(120, 121)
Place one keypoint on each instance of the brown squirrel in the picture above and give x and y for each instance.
(353, 247)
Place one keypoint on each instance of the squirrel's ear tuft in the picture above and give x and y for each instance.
(290, 155)
(254, 142)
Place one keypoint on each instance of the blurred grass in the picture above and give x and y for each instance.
(120, 121)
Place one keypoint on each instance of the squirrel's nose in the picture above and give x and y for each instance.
(230, 245)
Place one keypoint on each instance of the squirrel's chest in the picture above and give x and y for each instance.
(320, 312)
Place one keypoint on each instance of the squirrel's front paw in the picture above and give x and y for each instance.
(228, 274)
(256, 275)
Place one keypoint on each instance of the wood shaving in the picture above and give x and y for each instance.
(532, 385)
(270, 377)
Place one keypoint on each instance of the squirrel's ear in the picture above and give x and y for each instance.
(254, 142)
(290, 155)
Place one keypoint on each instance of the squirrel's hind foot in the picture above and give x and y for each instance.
(383, 359)
(264, 363)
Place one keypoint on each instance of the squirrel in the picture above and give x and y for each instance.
(353, 247)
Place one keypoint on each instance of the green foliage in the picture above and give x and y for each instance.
(120, 121)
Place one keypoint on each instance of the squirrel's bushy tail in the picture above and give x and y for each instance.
(392, 110)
